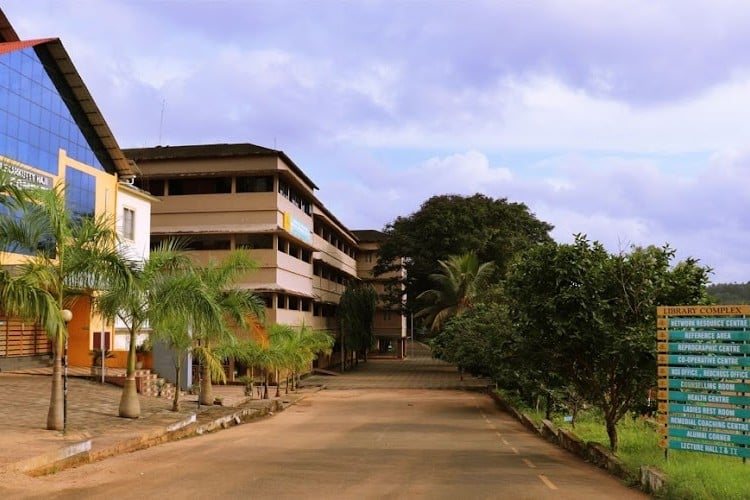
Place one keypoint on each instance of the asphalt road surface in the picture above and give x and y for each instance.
(349, 444)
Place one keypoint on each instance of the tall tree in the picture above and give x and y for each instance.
(356, 313)
(589, 317)
(131, 301)
(68, 256)
(458, 285)
(495, 229)
(238, 307)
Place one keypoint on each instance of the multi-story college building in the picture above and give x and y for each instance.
(222, 197)
(51, 132)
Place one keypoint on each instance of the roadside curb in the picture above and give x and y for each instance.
(102, 447)
(651, 479)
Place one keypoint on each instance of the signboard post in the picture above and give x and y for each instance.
(703, 370)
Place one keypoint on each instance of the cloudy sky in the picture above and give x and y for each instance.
(624, 120)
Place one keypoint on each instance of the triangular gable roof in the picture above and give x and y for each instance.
(7, 33)
(71, 87)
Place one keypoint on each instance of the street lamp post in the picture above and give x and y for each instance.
(67, 316)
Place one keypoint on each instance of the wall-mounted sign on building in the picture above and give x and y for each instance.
(297, 228)
(703, 370)
(25, 177)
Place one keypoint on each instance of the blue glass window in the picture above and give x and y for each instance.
(80, 193)
(34, 120)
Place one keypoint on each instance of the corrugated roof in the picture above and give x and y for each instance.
(198, 151)
(369, 235)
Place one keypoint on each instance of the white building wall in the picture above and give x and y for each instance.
(136, 248)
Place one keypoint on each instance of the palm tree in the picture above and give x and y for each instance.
(237, 307)
(131, 305)
(68, 256)
(309, 344)
(458, 285)
(181, 306)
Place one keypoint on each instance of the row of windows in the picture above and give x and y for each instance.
(291, 194)
(295, 251)
(182, 186)
(330, 273)
(334, 238)
(35, 122)
(248, 241)
(296, 303)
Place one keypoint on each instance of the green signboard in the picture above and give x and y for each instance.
(722, 437)
(707, 385)
(725, 425)
(716, 449)
(712, 411)
(679, 371)
(678, 359)
(702, 347)
(709, 322)
(693, 397)
(708, 335)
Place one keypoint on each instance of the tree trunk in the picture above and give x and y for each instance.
(265, 385)
(278, 384)
(611, 432)
(130, 405)
(548, 409)
(207, 392)
(286, 387)
(176, 400)
(56, 414)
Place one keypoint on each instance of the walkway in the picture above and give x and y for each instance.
(418, 371)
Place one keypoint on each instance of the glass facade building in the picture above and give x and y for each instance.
(35, 122)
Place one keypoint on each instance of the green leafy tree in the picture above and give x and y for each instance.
(131, 302)
(459, 284)
(730, 293)
(589, 317)
(238, 306)
(494, 229)
(69, 256)
(356, 313)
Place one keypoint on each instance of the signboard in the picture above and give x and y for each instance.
(297, 228)
(25, 177)
(704, 379)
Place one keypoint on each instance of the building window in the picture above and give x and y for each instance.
(80, 193)
(208, 242)
(128, 223)
(387, 315)
(200, 185)
(293, 303)
(153, 186)
(255, 184)
(256, 241)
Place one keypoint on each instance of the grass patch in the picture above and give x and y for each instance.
(691, 476)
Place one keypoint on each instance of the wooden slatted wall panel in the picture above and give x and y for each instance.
(18, 338)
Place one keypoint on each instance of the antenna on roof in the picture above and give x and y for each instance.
(161, 120)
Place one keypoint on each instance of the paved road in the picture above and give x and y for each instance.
(395, 444)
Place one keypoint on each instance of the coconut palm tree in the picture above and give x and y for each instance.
(131, 304)
(458, 285)
(69, 256)
(309, 343)
(238, 307)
